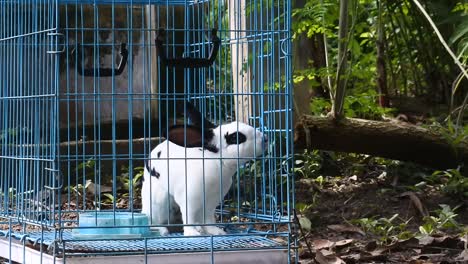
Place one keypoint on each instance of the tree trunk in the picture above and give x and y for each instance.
(381, 70)
(393, 140)
(305, 50)
(341, 78)
(303, 92)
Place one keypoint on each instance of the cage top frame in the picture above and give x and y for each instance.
(135, 2)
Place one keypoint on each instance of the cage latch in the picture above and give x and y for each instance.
(187, 62)
(57, 43)
(102, 72)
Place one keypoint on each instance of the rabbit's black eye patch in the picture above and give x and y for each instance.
(151, 171)
(235, 138)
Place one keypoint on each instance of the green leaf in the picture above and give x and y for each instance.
(305, 223)
(109, 196)
(423, 230)
(460, 31)
(298, 79)
(366, 35)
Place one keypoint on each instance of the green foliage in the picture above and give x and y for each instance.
(451, 133)
(252, 167)
(79, 189)
(86, 169)
(386, 229)
(303, 208)
(130, 184)
(363, 105)
(308, 164)
(311, 75)
(454, 183)
(12, 193)
(319, 18)
(389, 230)
(416, 64)
(127, 183)
(108, 199)
(444, 219)
(251, 176)
(310, 19)
(89, 164)
(463, 7)
(459, 37)
(320, 106)
(13, 132)
(103, 195)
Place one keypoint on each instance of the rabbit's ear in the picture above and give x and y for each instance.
(195, 116)
(189, 136)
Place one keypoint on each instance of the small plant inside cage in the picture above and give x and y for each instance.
(135, 130)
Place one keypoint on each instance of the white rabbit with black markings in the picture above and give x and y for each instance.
(193, 170)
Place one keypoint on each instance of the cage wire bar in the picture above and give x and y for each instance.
(85, 97)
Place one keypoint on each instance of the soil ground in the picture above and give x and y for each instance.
(336, 236)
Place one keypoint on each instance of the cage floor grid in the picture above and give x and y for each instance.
(151, 245)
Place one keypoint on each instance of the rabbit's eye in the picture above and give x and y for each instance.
(235, 138)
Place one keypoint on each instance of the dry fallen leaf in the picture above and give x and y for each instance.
(463, 256)
(442, 241)
(351, 258)
(307, 261)
(375, 255)
(378, 251)
(344, 242)
(327, 257)
(122, 203)
(346, 229)
(327, 252)
(93, 188)
(322, 243)
(433, 257)
(417, 261)
(426, 240)
(464, 239)
(407, 243)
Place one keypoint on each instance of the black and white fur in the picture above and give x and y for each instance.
(193, 170)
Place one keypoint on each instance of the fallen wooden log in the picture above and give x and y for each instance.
(393, 140)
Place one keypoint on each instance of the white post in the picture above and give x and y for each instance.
(239, 56)
(153, 62)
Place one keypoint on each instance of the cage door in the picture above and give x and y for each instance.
(29, 50)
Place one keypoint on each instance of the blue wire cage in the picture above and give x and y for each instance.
(89, 88)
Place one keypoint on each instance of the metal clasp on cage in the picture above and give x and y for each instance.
(285, 46)
(59, 36)
(187, 62)
(102, 72)
(57, 180)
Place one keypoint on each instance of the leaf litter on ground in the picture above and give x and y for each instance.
(343, 199)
